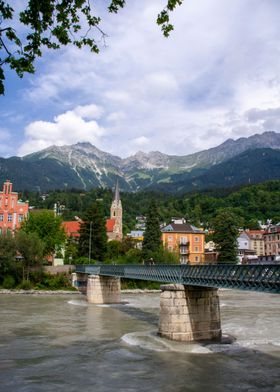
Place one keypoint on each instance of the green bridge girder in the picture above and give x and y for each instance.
(265, 278)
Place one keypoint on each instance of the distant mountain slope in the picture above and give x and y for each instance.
(202, 159)
(84, 166)
(249, 167)
(44, 174)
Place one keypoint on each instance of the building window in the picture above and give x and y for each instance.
(196, 239)
(196, 258)
(170, 248)
(183, 240)
(20, 218)
(183, 249)
(1, 217)
(10, 217)
(196, 249)
(170, 239)
(6, 201)
(183, 260)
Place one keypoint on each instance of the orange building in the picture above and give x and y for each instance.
(12, 210)
(184, 239)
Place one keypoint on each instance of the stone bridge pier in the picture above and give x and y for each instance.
(189, 313)
(103, 289)
(79, 281)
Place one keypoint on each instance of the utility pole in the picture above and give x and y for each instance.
(89, 245)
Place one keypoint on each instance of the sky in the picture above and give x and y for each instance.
(216, 77)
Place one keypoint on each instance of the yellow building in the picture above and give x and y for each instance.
(184, 239)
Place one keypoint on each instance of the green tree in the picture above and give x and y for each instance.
(113, 249)
(71, 250)
(152, 237)
(31, 248)
(93, 236)
(52, 24)
(225, 226)
(48, 228)
(7, 255)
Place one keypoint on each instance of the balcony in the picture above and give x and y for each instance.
(184, 250)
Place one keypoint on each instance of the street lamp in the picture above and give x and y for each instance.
(89, 245)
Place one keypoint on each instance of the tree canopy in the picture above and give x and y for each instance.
(31, 248)
(93, 236)
(225, 226)
(48, 228)
(152, 237)
(53, 24)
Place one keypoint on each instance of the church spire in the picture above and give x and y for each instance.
(116, 214)
(117, 192)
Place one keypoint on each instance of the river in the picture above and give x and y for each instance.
(61, 343)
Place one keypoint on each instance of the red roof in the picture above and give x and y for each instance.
(72, 228)
(110, 224)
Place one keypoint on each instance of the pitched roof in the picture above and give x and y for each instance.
(255, 232)
(181, 228)
(72, 228)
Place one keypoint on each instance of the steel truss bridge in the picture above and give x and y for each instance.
(264, 277)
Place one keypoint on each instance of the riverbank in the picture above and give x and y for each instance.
(70, 292)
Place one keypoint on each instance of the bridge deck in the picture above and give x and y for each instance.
(243, 277)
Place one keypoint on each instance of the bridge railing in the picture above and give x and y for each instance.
(243, 277)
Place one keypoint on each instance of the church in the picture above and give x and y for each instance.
(114, 224)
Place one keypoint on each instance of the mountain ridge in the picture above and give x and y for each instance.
(84, 166)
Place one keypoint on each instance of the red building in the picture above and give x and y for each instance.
(12, 210)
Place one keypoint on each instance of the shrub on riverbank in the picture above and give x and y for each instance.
(40, 280)
(139, 284)
(9, 282)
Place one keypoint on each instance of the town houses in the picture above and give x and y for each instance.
(178, 236)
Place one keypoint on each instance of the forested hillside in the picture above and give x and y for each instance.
(251, 203)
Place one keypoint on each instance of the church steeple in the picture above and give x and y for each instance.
(117, 192)
(116, 214)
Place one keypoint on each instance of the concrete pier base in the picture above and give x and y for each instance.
(79, 281)
(103, 289)
(189, 313)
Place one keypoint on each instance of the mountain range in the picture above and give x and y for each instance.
(83, 166)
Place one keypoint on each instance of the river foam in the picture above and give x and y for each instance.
(77, 302)
(150, 341)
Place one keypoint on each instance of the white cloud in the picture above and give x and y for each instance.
(140, 141)
(67, 128)
(116, 116)
(182, 94)
(89, 111)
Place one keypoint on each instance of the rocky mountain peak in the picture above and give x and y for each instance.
(93, 167)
